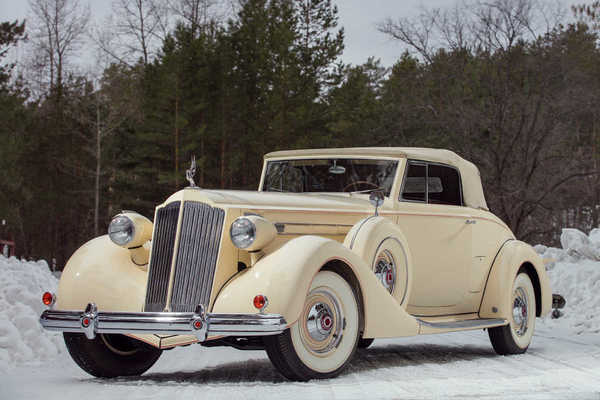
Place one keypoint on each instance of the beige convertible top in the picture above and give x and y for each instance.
(471, 180)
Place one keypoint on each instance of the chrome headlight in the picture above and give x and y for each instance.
(121, 230)
(252, 233)
(242, 232)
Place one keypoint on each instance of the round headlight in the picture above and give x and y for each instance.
(121, 230)
(242, 232)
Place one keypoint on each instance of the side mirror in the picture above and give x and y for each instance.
(376, 199)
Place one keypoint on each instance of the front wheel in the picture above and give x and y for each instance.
(515, 337)
(323, 340)
(109, 356)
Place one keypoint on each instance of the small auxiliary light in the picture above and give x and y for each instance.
(48, 298)
(260, 302)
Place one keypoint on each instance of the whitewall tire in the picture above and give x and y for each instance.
(323, 340)
(515, 337)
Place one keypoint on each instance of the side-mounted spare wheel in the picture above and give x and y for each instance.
(323, 340)
(381, 244)
(515, 337)
(110, 356)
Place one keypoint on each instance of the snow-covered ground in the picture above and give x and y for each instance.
(563, 361)
(21, 337)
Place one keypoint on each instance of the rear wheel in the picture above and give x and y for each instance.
(515, 337)
(323, 340)
(109, 356)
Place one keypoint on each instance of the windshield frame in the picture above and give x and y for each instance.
(393, 190)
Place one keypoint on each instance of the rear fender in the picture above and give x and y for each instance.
(103, 273)
(285, 276)
(514, 255)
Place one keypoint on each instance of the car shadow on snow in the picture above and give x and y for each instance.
(365, 361)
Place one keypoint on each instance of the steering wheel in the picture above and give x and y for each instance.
(356, 183)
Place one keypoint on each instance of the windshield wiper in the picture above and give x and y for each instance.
(366, 190)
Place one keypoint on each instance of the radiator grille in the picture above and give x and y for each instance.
(196, 259)
(197, 254)
(161, 257)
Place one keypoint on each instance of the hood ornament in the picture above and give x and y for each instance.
(191, 172)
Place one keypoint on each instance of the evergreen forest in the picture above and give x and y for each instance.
(511, 85)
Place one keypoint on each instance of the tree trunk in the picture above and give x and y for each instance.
(176, 134)
(98, 169)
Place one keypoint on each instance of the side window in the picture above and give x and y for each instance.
(444, 185)
(432, 183)
(414, 184)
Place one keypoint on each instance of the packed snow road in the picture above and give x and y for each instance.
(457, 365)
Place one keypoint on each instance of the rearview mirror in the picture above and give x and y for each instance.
(337, 169)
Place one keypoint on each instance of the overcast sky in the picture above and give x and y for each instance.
(357, 16)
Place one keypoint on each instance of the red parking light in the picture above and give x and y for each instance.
(260, 301)
(48, 298)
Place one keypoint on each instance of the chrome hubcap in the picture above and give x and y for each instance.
(385, 270)
(520, 315)
(319, 321)
(323, 322)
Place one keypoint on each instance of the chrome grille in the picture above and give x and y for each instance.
(196, 261)
(165, 229)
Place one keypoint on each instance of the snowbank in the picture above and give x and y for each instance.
(21, 337)
(574, 272)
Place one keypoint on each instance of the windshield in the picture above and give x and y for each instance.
(330, 175)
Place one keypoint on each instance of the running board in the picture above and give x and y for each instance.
(465, 325)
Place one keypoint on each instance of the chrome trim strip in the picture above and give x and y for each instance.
(358, 230)
(313, 234)
(313, 224)
(280, 226)
(165, 323)
(467, 324)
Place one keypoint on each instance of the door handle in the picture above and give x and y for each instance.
(471, 221)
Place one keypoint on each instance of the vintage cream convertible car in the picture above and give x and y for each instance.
(336, 248)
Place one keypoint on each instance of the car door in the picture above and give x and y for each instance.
(438, 231)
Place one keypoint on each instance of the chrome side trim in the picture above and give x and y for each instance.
(358, 230)
(313, 224)
(163, 323)
(281, 227)
(468, 324)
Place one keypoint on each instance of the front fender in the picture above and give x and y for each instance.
(285, 276)
(103, 273)
(496, 302)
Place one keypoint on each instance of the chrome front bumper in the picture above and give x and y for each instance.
(200, 324)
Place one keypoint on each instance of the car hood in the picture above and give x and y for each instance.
(257, 200)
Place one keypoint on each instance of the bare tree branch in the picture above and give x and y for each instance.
(57, 32)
